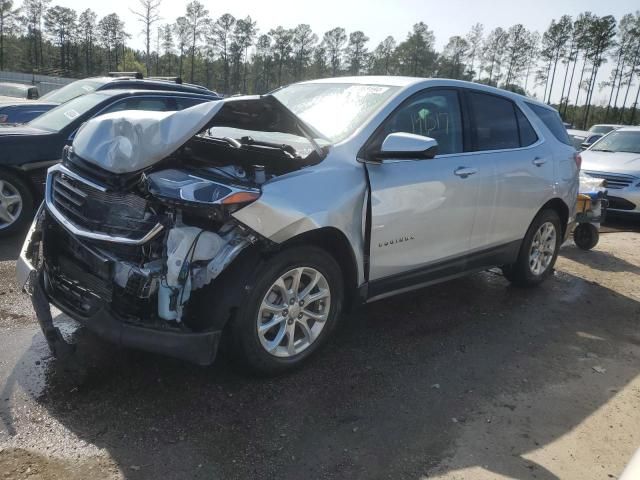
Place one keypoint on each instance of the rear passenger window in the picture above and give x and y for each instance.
(551, 119)
(494, 122)
(527, 133)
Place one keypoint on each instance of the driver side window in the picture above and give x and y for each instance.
(433, 113)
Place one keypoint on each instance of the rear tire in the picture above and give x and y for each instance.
(538, 251)
(297, 328)
(16, 203)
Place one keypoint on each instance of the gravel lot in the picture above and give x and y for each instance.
(471, 379)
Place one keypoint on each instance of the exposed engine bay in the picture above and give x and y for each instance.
(139, 213)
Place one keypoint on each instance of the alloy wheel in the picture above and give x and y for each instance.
(543, 248)
(294, 312)
(10, 204)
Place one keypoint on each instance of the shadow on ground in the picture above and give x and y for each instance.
(378, 402)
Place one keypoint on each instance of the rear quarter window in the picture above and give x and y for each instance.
(552, 120)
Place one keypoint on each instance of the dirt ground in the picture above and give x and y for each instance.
(471, 379)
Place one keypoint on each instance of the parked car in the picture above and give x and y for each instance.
(26, 151)
(17, 92)
(23, 112)
(582, 139)
(265, 217)
(603, 128)
(616, 158)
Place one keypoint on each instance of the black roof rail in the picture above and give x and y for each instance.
(177, 80)
(137, 75)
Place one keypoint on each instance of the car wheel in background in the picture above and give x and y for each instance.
(586, 236)
(538, 251)
(291, 310)
(16, 203)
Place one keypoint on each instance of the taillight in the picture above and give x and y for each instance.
(578, 159)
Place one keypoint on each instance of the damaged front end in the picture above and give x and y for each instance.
(132, 239)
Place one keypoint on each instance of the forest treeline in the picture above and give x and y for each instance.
(232, 55)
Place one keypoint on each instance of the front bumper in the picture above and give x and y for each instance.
(196, 347)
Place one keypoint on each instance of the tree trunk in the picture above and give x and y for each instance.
(613, 85)
(193, 53)
(631, 75)
(573, 70)
(592, 87)
(546, 83)
(615, 100)
(553, 76)
(584, 66)
(564, 83)
(148, 49)
(635, 106)
(244, 71)
(2, 45)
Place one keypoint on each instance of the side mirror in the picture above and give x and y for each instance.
(585, 145)
(409, 146)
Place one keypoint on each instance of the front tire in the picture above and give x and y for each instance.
(538, 251)
(290, 312)
(16, 203)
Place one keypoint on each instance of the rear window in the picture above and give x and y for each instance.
(552, 120)
(494, 122)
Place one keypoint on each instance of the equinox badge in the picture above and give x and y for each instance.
(395, 241)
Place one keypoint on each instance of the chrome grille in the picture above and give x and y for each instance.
(97, 211)
(614, 181)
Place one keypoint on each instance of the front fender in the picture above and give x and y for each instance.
(309, 199)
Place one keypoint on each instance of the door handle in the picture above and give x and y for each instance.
(464, 172)
(538, 162)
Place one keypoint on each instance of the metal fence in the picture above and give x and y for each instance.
(45, 83)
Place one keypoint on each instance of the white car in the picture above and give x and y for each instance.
(604, 128)
(583, 139)
(616, 158)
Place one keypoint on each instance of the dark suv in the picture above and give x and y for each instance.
(14, 111)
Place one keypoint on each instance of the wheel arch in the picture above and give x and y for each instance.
(23, 175)
(336, 243)
(562, 209)
(214, 306)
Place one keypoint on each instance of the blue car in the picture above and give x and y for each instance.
(13, 110)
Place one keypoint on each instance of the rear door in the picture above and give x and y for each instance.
(522, 167)
(423, 210)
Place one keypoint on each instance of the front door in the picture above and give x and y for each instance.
(422, 211)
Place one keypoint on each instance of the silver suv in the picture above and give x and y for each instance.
(258, 220)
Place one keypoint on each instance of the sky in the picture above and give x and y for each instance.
(377, 18)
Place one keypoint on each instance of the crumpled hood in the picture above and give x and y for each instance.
(618, 162)
(128, 141)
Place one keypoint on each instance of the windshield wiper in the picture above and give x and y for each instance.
(603, 150)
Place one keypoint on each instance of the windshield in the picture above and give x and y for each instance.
(335, 110)
(601, 129)
(619, 142)
(73, 90)
(60, 117)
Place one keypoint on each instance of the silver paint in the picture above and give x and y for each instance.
(447, 214)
